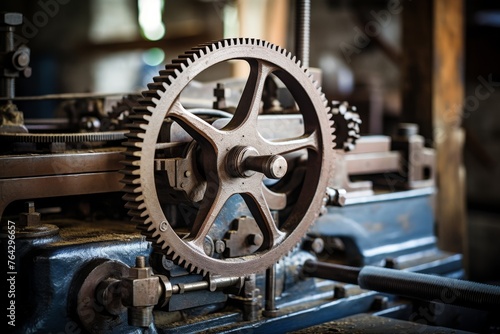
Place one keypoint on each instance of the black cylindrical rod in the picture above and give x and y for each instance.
(409, 284)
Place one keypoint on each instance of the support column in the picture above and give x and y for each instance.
(433, 96)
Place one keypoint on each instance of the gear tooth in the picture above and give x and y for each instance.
(137, 220)
(132, 143)
(137, 126)
(138, 213)
(169, 69)
(153, 85)
(133, 197)
(132, 152)
(132, 189)
(154, 240)
(139, 117)
(156, 235)
(130, 171)
(146, 101)
(143, 229)
(145, 222)
(176, 63)
(128, 180)
(135, 205)
(150, 93)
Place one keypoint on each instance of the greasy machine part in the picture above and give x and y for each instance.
(233, 160)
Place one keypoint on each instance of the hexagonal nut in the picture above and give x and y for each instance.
(11, 19)
(145, 272)
(141, 291)
(29, 219)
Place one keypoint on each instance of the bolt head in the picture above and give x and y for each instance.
(220, 246)
(11, 19)
(255, 239)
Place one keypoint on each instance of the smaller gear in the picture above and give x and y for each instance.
(117, 118)
(347, 122)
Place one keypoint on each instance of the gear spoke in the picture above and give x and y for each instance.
(259, 208)
(197, 128)
(292, 145)
(248, 108)
(211, 205)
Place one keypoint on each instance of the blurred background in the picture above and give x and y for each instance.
(382, 56)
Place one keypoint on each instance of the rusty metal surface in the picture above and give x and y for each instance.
(162, 100)
(56, 186)
(97, 160)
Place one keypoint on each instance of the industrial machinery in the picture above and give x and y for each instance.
(237, 206)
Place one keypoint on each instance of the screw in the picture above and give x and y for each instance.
(208, 246)
(30, 207)
(220, 246)
(255, 239)
(140, 262)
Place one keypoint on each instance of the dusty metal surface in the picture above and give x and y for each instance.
(365, 323)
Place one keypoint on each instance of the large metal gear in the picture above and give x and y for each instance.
(235, 159)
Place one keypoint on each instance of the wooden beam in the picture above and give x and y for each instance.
(447, 107)
(433, 95)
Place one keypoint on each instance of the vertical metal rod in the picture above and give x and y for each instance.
(270, 309)
(302, 31)
(7, 84)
